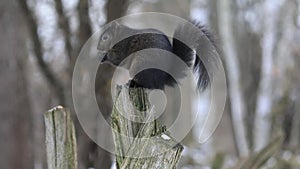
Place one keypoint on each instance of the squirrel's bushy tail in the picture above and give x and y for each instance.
(193, 43)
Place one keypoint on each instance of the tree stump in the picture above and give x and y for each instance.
(60, 139)
(140, 141)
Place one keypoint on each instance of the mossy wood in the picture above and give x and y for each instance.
(140, 141)
(60, 139)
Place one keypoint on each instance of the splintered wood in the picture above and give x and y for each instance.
(140, 141)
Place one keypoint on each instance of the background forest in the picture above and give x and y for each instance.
(260, 47)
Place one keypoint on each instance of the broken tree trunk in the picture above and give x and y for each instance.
(140, 141)
(60, 139)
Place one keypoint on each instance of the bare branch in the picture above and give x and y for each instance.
(85, 29)
(64, 25)
(38, 52)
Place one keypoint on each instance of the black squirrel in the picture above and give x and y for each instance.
(116, 45)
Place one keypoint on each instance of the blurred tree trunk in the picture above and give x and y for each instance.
(285, 82)
(114, 10)
(15, 112)
(237, 101)
(85, 144)
(62, 87)
(249, 52)
(262, 120)
(213, 15)
(295, 92)
(90, 154)
(38, 52)
(175, 7)
(224, 140)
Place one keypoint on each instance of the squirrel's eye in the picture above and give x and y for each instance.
(135, 41)
(105, 37)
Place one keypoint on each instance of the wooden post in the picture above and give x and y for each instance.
(141, 142)
(60, 139)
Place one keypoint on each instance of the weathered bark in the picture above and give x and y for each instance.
(232, 66)
(60, 139)
(140, 141)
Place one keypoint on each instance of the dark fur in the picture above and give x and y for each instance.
(154, 78)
